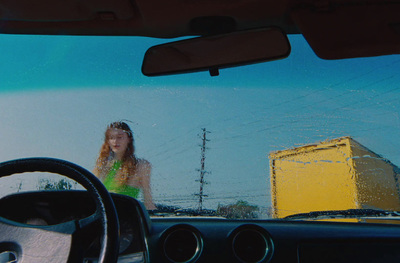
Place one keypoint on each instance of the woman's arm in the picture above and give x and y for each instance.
(144, 172)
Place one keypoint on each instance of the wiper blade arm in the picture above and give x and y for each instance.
(344, 213)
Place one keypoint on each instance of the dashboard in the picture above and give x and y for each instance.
(206, 239)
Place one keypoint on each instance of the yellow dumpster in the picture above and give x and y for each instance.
(339, 174)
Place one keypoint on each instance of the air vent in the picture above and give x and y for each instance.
(182, 243)
(251, 244)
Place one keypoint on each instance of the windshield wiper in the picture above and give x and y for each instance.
(350, 213)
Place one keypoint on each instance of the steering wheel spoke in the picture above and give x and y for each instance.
(87, 222)
(61, 242)
(34, 243)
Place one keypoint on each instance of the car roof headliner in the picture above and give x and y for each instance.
(335, 29)
(155, 18)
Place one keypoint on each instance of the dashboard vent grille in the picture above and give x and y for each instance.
(182, 244)
(250, 244)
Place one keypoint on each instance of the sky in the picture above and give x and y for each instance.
(57, 94)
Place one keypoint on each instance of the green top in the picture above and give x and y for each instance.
(113, 186)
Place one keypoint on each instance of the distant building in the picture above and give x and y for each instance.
(334, 175)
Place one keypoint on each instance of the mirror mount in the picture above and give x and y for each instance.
(214, 72)
(212, 25)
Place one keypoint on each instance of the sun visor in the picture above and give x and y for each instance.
(352, 30)
(61, 10)
(60, 17)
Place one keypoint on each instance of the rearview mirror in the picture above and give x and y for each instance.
(215, 52)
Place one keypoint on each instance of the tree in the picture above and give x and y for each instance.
(63, 184)
(240, 210)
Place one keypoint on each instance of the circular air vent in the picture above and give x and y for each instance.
(251, 244)
(182, 244)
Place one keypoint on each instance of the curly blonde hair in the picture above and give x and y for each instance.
(106, 158)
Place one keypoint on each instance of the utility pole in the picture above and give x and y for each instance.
(202, 169)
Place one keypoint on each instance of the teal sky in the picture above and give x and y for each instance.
(58, 94)
(116, 61)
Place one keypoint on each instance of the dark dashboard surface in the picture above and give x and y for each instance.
(296, 241)
(207, 239)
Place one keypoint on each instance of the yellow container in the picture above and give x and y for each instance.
(334, 175)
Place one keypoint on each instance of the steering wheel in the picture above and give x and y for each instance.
(55, 243)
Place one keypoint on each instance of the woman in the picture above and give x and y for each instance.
(119, 169)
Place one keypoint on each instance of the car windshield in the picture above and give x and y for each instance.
(267, 140)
